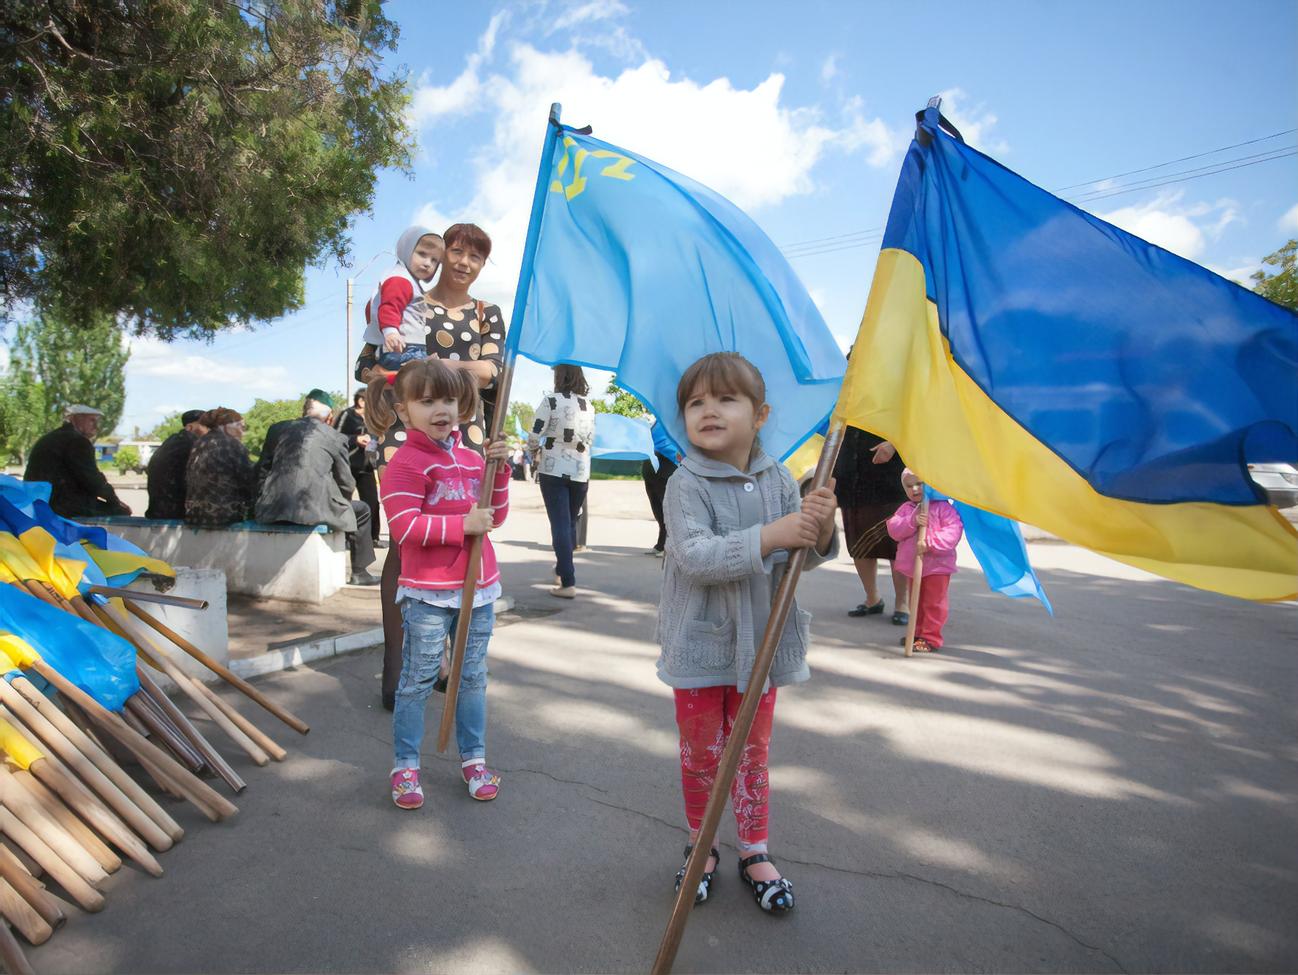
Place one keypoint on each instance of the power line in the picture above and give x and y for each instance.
(1172, 162)
(860, 238)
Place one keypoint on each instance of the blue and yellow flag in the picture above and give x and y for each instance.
(1039, 363)
(99, 662)
(641, 271)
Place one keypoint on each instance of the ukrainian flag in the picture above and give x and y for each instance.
(1030, 359)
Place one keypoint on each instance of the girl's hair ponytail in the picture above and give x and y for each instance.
(380, 406)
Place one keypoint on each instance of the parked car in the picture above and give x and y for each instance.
(1279, 481)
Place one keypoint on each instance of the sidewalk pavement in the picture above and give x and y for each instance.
(1111, 789)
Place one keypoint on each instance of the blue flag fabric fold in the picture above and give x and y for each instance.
(99, 662)
(642, 271)
(998, 546)
(620, 437)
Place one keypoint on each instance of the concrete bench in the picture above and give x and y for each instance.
(299, 562)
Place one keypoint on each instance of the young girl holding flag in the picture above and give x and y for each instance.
(733, 516)
(429, 493)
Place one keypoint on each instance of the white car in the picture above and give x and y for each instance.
(1279, 481)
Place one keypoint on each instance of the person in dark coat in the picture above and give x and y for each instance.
(308, 481)
(867, 485)
(219, 476)
(66, 459)
(166, 470)
(351, 424)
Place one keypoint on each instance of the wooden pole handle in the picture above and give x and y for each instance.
(30, 889)
(208, 800)
(18, 912)
(86, 897)
(84, 756)
(290, 719)
(18, 801)
(83, 802)
(54, 807)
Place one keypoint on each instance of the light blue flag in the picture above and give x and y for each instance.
(998, 546)
(640, 270)
(620, 437)
(518, 428)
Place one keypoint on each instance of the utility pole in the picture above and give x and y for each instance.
(347, 381)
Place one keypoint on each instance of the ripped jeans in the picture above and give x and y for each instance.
(426, 628)
(705, 716)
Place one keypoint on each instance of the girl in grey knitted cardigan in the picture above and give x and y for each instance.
(733, 516)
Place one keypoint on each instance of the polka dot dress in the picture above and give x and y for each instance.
(460, 334)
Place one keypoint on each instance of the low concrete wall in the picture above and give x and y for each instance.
(206, 629)
(305, 564)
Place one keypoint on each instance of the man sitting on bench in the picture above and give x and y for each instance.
(306, 479)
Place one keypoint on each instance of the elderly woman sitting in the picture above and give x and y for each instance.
(219, 476)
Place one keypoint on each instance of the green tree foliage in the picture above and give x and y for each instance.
(258, 419)
(618, 400)
(1281, 287)
(171, 424)
(178, 163)
(126, 459)
(52, 366)
(525, 413)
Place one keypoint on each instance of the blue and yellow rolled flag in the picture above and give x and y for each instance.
(99, 662)
(1032, 360)
(639, 270)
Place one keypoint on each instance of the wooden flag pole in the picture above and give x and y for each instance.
(118, 790)
(503, 385)
(87, 898)
(29, 889)
(781, 606)
(290, 719)
(474, 570)
(912, 598)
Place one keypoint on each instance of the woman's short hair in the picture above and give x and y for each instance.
(219, 417)
(721, 372)
(468, 235)
(358, 397)
(570, 379)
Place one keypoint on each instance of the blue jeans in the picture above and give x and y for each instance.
(395, 360)
(563, 500)
(426, 629)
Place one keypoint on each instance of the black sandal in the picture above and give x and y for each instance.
(705, 885)
(772, 896)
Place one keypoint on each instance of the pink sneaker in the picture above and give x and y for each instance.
(405, 788)
(483, 783)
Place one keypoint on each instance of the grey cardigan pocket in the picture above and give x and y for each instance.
(712, 644)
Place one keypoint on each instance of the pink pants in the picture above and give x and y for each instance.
(933, 609)
(705, 716)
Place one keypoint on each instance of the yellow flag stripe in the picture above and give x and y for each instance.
(904, 385)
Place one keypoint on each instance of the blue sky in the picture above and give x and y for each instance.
(800, 114)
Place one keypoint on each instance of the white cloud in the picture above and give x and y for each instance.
(585, 13)
(431, 102)
(746, 143)
(829, 69)
(1177, 227)
(1289, 222)
(975, 122)
(168, 363)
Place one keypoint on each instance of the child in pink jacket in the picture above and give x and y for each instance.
(936, 535)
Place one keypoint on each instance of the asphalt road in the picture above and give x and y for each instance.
(1111, 789)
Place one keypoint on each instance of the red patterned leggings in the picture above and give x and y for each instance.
(705, 716)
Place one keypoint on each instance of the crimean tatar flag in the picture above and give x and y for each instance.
(1030, 359)
(641, 271)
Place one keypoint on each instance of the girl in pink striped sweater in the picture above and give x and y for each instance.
(430, 492)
